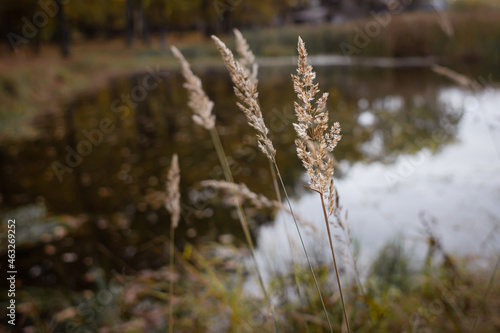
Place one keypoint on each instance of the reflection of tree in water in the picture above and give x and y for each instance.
(390, 112)
(411, 124)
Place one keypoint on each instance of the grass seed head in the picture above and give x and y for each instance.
(245, 88)
(198, 100)
(172, 202)
(316, 140)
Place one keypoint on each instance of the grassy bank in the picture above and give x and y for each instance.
(34, 85)
(462, 35)
(473, 35)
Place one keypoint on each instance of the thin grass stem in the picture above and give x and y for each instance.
(303, 246)
(335, 262)
(278, 197)
(353, 256)
(171, 284)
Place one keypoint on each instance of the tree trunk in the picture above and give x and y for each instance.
(129, 25)
(63, 32)
(146, 33)
(208, 29)
(163, 34)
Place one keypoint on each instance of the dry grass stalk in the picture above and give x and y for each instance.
(245, 88)
(457, 77)
(173, 205)
(172, 202)
(198, 100)
(315, 144)
(244, 77)
(444, 21)
(257, 200)
(202, 107)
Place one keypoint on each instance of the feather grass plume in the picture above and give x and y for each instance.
(457, 77)
(255, 199)
(245, 88)
(247, 59)
(198, 100)
(316, 141)
(315, 144)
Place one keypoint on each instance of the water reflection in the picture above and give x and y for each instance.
(107, 156)
(456, 187)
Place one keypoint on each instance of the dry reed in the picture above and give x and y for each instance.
(245, 88)
(316, 141)
(461, 79)
(198, 100)
(173, 206)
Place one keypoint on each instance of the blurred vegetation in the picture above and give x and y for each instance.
(211, 295)
(326, 24)
(475, 37)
